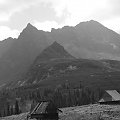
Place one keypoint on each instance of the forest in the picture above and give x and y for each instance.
(15, 101)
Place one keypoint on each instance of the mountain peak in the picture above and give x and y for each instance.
(89, 23)
(54, 51)
(30, 27)
(94, 22)
(56, 44)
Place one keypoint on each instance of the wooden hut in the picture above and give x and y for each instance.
(110, 97)
(45, 110)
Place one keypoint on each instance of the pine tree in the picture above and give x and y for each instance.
(11, 110)
(4, 113)
(92, 97)
(8, 109)
(16, 107)
(0, 114)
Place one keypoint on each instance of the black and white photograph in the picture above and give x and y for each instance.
(59, 59)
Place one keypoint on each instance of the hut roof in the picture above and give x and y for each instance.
(40, 108)
(114, 94)
(45, 106)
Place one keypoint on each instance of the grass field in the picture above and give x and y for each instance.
(86, 112)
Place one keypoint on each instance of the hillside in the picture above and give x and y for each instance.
(20, 53)
(87, 112)
(88, 40)
(52, 52)
(52, 55)
(92, 73)
(55, 66)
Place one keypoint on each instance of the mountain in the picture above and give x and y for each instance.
(54, 65)
(88, 40)
(19, 54)
(51, 73)
(5, 45)
(52, 52)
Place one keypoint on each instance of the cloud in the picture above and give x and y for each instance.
(4, 17)
(113, 23)
(59, 6)
(47, 25)
(2, 2)
(81, 10)
(77, 10)
(104, 11)
(9, 8)
(6, 32)
(47, 14)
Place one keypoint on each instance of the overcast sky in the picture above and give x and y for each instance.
(47, 14)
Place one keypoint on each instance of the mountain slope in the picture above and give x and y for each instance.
(52, 52)
(92, 73)
(51, 55)
(89, 40)
(21, 53)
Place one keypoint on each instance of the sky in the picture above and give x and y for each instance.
(47, 14)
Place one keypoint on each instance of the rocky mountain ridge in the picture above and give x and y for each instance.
(88, 40)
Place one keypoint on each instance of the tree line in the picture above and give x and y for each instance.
(63, 95)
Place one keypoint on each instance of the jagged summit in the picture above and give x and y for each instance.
(30, 31)
(56, 46)
(30, 27)
(93, 21)
(89, 40)
(54, 51)
(89, 23)
(29, 24)
(56, 43)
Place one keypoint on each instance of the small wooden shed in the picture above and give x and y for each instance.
(45, 110)
(109, 97)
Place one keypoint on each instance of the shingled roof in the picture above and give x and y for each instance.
(114, 94)
(40, 108)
